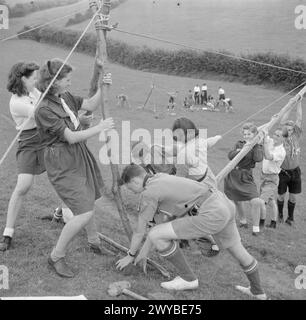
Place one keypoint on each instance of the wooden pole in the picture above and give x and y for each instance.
(275, 119)
(123, 249)
(102, 28)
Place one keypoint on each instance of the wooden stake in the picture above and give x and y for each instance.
(102, 28)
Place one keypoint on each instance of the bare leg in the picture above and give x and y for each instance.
(70, 230)
(24, 184)
(255, 212)
(240, 211)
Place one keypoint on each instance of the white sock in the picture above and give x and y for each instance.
(243, 221)
(215, 247)
(8, 232)
(256, 229)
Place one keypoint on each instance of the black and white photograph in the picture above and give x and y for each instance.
(153, 150)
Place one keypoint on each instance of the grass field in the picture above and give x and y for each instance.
(278, 252)
(233, 25)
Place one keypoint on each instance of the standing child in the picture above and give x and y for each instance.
(274, 155)
(239, 184)
(193, 150)
(71, 167)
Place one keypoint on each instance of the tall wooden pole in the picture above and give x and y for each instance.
(102, 27)
(274, 120)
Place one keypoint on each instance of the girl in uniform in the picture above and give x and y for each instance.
(239, 184)
(29, 156)
(71, 167)
(192, 150)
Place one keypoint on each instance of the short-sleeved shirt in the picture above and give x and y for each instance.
(52, 119)
(196, 89)
(22, 108)
(170, 195)
(274, 166)
(221, 91)
(204, 88)
(293, 150)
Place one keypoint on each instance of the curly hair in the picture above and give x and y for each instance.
(48, 71)
(15, 84)
(250, 126)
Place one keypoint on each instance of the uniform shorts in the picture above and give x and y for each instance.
(268, 187)
(216, 217)
(290, 180)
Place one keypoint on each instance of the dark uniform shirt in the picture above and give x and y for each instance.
(250, 159)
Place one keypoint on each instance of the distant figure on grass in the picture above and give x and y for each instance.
(171, 102)
(228, 105)
(196, 92)
(239, 184)
(71, 168)
(123, 101)
(274, 155)
(221, 93)
(204, 94)
(177, 196)
(211, 103)
(189, 100)
(290, 175)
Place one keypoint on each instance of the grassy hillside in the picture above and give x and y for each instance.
(278, 252)
(236, 25)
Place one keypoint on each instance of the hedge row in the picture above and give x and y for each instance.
(183, 62)
(79, 17)
(23, 9)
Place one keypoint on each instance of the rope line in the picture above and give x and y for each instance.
(40, 26)
(261, 110)
(51, 83)
(209, 51)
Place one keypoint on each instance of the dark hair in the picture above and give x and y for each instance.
(186, 125)
(131, 171)
(15, 84)
(47, 73)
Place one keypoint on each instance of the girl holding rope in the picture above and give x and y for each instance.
(239, 184)
(71, 167)
(21, 83)
(193, 150)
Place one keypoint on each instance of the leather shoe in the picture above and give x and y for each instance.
(61, 268)
(100, 250)
(6, 243)
(289, 222)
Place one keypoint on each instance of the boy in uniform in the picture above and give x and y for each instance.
(210, 213)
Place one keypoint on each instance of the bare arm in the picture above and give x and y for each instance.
(92, 103)
(78, 136)
(267, 152)
(299, 114)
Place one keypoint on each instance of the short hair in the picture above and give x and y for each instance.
(48, 71)
(184, 124)
(15, 84)
(131, 171)
(250, 126)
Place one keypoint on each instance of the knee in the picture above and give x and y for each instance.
(257, 202)
(281, 197)
(22, 190)
(292, 197)
(153, 235)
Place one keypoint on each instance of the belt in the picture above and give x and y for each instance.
(205, 174)
(194, 211)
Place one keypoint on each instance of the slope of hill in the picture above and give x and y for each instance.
(278, 251)
(237, 25)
